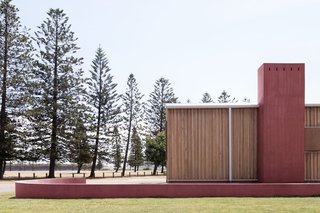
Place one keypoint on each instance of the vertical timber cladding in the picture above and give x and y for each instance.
(312, 158)
(197, 144)
(244, 143)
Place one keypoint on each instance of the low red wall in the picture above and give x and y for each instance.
(76, 188)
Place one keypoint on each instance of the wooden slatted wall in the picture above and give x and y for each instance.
(244, 143)
(197, 147)
(312, 158)
(198, 144)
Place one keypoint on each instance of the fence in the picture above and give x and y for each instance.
(72, 174)
(39, 167)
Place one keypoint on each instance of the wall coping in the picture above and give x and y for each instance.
(210, 105)
(221, 105)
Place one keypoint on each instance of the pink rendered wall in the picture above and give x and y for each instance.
(281, 123)
(69, 190)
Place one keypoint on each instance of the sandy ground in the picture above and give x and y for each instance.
(129, 180)
(9, 186)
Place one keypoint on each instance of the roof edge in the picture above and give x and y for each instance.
(220, 105)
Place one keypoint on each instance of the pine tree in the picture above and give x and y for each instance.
(132, 111)
(102, 97)
(156, 150)
(226, 98)
(15, 63)
(156, 113)
(79, 148)
(136, 156)
(116, 156)
(246, 100)
(57, 85)
(206, 98)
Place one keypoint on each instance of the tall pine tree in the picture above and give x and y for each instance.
(15, 63)
(156, 113)
(136, 156)
(206, 98)
(57, 85)
(78, 146)
(102, 97)
(132, 112)
(246, 100)
(226, 98)
(116, 154)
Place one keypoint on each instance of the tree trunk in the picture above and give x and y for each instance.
(79, 168)
(1, 169)
(161, 112)
(95, 156)
(117, 168)
(162, 168)
(4, 167)
(161, 121)
(135, 168)
(128, 141)
(53, 148)
(155, 169)
(4, 97)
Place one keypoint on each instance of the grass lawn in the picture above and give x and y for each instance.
(8, 203)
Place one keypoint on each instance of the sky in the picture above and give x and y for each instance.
(199, 45)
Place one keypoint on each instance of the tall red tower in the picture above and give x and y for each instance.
(281, 123)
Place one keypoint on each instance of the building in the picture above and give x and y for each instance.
(274, 141)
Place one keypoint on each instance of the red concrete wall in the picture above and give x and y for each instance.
(281, 123)
(57, 189)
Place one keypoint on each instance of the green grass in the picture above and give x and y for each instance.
(8, 203)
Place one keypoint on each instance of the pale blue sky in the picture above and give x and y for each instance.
(200, 45)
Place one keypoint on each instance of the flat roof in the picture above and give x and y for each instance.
(211, 105)
(222, 105)
(312, 105)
